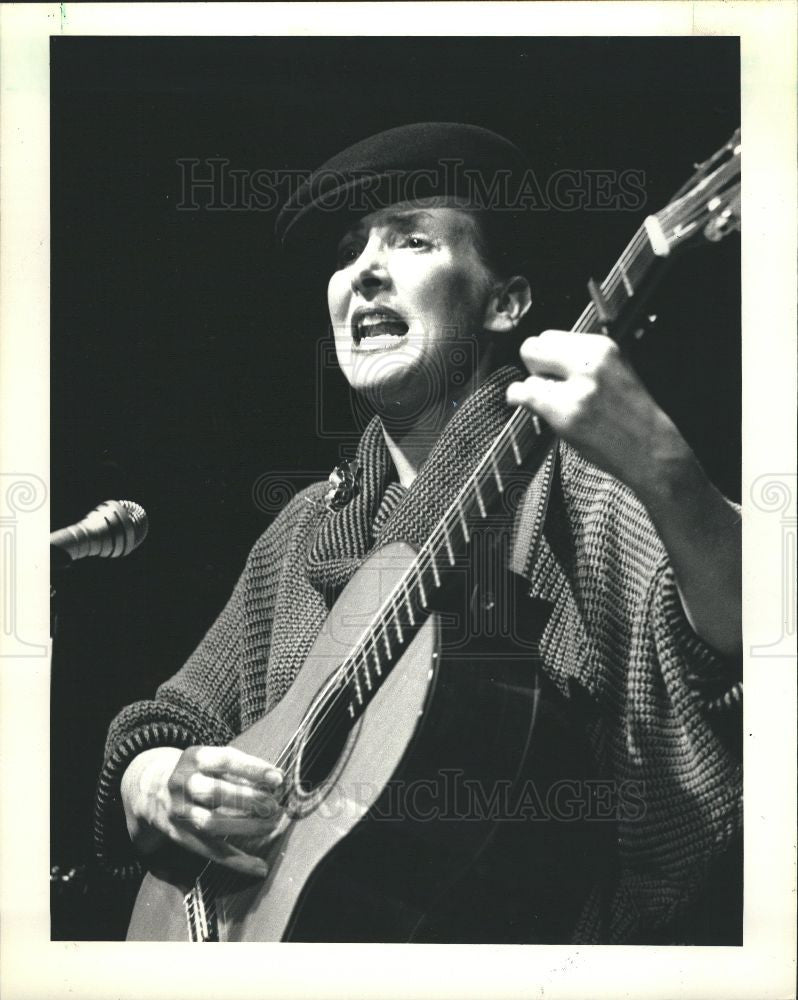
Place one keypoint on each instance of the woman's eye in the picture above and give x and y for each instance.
(416, 242)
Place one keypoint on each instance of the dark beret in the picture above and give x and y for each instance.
(423, 160)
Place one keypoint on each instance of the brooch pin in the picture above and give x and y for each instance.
(343, 485)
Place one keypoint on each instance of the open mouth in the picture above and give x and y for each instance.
(377, 328)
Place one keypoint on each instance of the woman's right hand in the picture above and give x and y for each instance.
(218, 802)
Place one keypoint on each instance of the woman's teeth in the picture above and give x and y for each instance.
(380, 340)
(375, 332)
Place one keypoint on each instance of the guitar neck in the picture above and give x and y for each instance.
(617, 302)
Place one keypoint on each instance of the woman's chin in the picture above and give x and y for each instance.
(399, 379)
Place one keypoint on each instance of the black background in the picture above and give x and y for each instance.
(184, 348)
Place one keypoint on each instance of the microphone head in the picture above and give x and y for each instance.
(113, 529)
(137, 517)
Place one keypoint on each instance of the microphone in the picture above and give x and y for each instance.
(113, 529)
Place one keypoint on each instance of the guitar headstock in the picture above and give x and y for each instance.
(707, 207)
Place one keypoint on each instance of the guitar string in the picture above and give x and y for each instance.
(682, 209)
(349, 668)
(710, 183)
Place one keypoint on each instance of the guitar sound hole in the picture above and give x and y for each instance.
(328, 728)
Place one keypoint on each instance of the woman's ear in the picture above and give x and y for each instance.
(507, 305)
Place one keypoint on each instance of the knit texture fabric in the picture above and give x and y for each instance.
(382, 511)
(617, 635)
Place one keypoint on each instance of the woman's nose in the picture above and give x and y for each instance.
(371, 273)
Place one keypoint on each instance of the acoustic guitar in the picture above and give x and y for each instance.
(407, 752)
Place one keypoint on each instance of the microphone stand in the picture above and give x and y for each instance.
(60, 562)
(70, 887)
(64, 883)
(74, 878)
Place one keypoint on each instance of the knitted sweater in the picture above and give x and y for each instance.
(662, 701)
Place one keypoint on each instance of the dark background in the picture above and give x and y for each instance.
(185, 350)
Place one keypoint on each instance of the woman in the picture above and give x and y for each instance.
(640, 558)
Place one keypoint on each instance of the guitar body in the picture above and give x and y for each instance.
(381, 847)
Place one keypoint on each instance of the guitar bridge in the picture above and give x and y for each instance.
(200, 914)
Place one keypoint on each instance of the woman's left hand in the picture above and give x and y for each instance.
(584, 388)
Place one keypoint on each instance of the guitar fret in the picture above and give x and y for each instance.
(351, 708)
(466, 535)
(387, 642)
(514, 443)
(358, 692)
(435, 574)
(496, 473)
(480, 501)
(203, 923)
(409, 605)
(449, 549)
(396, 622)
(627, 284)
(377, 664)
(210, 909)
(421, 591)
(188, 904)
(366, 672)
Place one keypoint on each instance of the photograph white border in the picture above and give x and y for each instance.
(33, 966)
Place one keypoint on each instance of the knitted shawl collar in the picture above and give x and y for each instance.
(382, 510)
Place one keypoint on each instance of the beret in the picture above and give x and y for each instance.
(422, 160)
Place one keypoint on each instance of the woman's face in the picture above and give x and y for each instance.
(407, 302)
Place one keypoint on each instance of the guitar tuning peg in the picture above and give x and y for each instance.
(720, 225)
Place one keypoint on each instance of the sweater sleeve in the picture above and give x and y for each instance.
(717, 678)
(627, 587)
(198, 705)
(202, 703)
